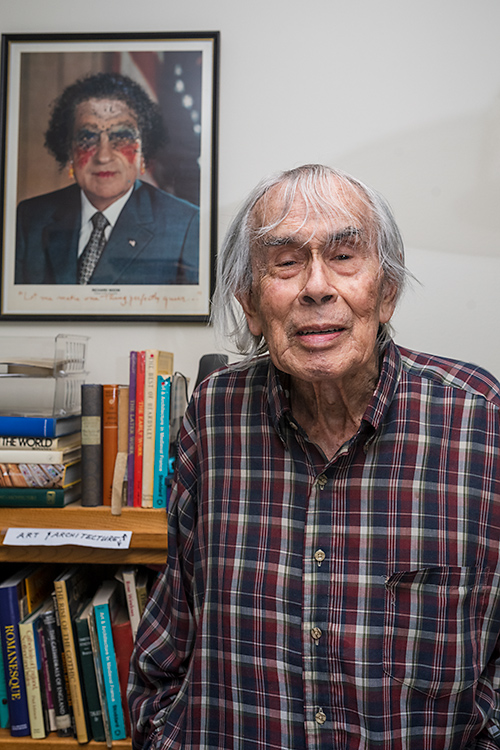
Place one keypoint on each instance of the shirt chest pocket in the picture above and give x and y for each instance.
(432, 628)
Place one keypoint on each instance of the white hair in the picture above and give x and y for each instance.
(320, 188)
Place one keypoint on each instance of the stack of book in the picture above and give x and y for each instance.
(40, 461)
(67, 639)
(40, 442)
(126, 436)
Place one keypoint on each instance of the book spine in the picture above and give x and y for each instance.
(129, 586)
(139, 429)
(28, 456)
(32, 679)
(110, 671)
(161, 443)
(4, 709)
(27, 426)
(109, 439)
(91, 444)
(56, 672)
(28, 497)
(119, 491)
(68, 639)
(89, 679)
(131, 427)
(150, 372)
(13, 662)
(47, 698)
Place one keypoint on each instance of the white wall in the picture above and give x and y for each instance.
(405, 95)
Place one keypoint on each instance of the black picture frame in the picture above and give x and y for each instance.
(180, 72)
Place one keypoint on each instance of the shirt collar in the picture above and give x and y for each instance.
(390, 371)
(111, 213)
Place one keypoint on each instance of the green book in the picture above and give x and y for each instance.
(88, 671)
(26, 497)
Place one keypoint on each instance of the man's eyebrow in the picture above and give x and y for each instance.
(271, 240)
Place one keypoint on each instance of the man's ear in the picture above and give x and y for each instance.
(388, 302)
(247, 302)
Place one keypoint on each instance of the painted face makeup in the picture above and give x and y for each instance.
(107, 150)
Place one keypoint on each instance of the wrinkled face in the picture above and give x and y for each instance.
(106, 151)
(318, 295)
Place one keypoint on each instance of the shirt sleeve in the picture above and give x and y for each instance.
(167, 630)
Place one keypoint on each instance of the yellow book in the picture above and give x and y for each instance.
(71, 587)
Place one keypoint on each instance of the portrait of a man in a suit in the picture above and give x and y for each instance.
(109, 227)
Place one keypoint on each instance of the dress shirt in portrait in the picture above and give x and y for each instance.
(111, 213)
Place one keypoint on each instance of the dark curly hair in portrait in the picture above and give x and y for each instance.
(104, 86)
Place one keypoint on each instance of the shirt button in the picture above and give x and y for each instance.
(320, 716)
(321, 481)
(319, 556)
(316, 633)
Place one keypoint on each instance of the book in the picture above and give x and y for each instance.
(55, 665)
(40, 476)
(127, 574)
(131, 427)
(33, 674)
(71, 587)
(106, 603)
(124, 645)
(162, 440)
(47, 697)
(139, 428)
(50, 427)
(109, 438)
(43, 444)
(29, 456)
(91, 444)
(82, 627)
(119, 488)
(19, 497)
(13, 609)
(99, 674)
(38, 585)
(4, 707)
(157, 363)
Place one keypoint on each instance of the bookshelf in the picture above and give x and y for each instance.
(148, 545)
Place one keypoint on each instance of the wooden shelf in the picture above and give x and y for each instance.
(148, 526)
(53, 742)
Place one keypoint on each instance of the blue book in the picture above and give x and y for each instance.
(13, 607)
(106, 604)
(44, 427)
(162, 438)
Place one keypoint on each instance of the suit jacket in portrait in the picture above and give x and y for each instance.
(154, 241)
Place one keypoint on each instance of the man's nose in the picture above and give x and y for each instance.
(104, 150)
(319, 286)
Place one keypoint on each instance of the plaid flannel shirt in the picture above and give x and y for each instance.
(349, 604)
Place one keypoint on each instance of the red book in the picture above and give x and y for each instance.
(109, 439)
(139, 428)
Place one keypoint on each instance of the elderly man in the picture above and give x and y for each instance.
(109, 227)
(334, 548)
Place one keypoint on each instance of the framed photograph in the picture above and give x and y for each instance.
(109, 175)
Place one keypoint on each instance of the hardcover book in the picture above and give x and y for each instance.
(12, 610)
(88, 671)
(109, 439)
(33, 673)
(41, 427)
(71, 587)
(106, 604)
(91, 444)
(55, 665)
(157, 363)
(27, 497)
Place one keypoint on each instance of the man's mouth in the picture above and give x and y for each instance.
(104, 174)
(319, 331)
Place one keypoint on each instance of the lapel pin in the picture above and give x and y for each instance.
(132, 242)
